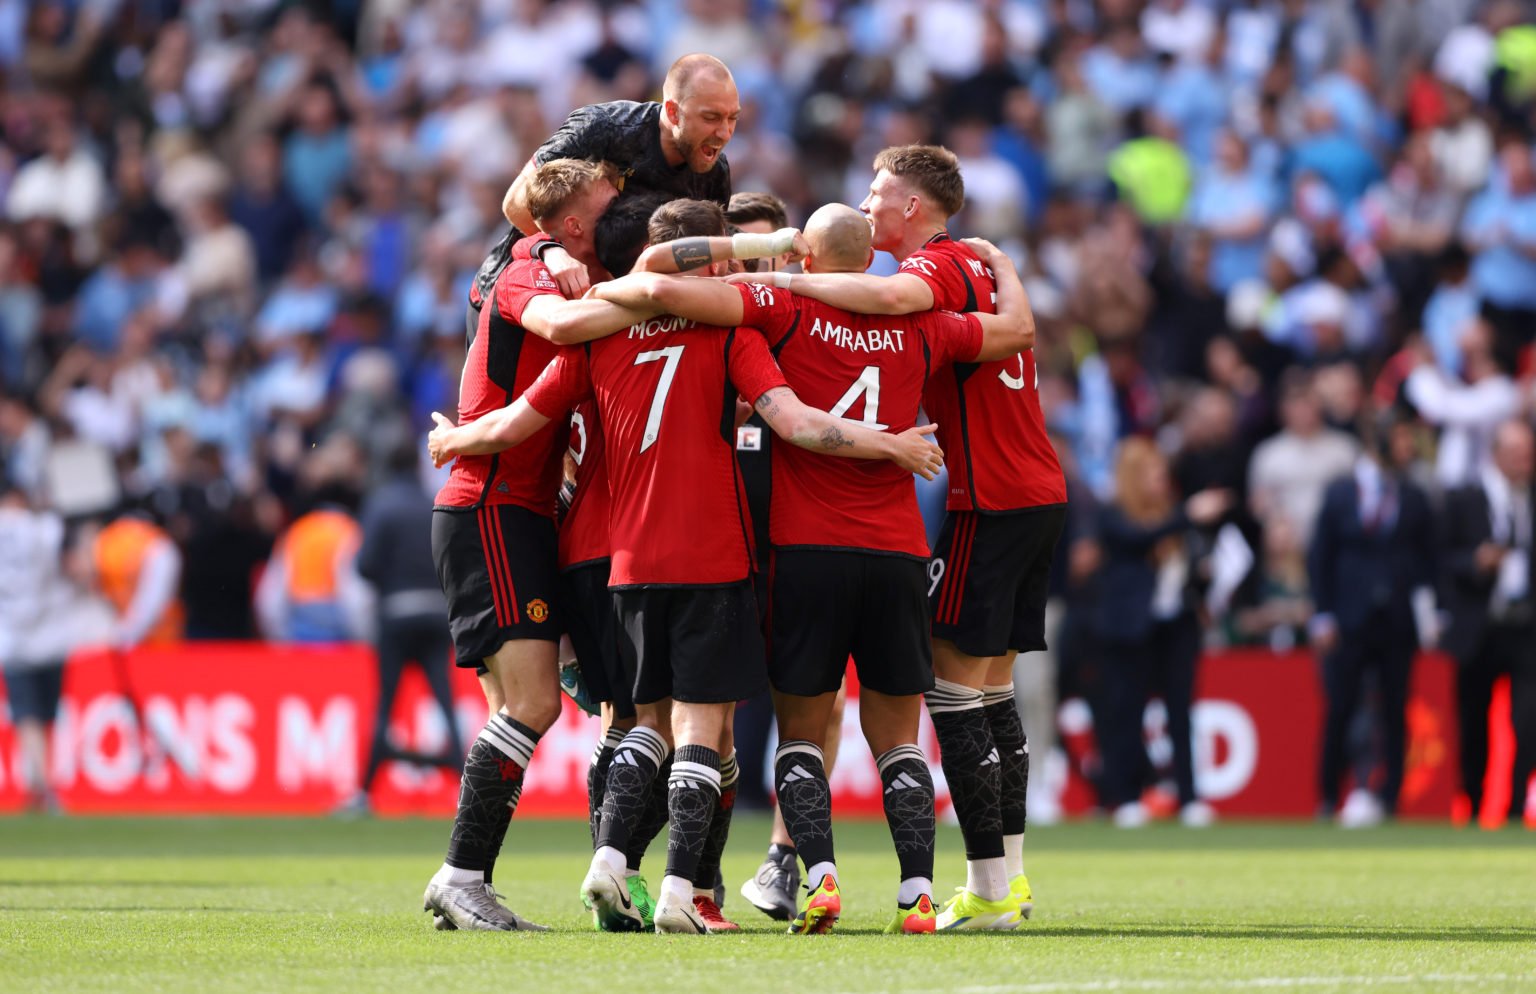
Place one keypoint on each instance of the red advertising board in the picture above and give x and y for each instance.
(249, 728)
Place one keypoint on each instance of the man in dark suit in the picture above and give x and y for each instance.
(1490, 591)
(1372, 555)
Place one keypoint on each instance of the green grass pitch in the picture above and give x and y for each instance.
(123, 906)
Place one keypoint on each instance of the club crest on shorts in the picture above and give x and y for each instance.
(538, 610)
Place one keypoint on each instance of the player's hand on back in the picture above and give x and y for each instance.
(985, 250)
(437, 440)
(570, 275)
(917, 453)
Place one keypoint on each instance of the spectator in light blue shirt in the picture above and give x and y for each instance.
(124, 286)
(1193, 96)
(1451, 307)
(1118, 70)
(1341, 160)
(317, 156)
(1233, 203)
(303, 303)
(1500, 229)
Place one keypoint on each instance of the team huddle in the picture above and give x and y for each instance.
(632, 336)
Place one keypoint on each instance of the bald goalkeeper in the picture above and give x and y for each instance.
(675, 147)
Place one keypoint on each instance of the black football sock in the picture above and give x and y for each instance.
(1013, 749)
(719, 826)
(693, 794)
(630, 776)
(597, 778)
(652, 820)
(488, 792)
(907, 793)
(971, 766)
(805, 800)
(499, 835)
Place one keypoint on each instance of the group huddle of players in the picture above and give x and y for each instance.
(627, 333)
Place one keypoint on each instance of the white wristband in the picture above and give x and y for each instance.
(746, 245)
(781, 279)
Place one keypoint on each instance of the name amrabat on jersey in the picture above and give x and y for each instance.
(858, 339)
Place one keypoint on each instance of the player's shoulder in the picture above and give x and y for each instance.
(521, 278)
(619, 115)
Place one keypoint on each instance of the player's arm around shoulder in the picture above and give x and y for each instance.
(1012, 329)
(809, 428)
(862, 293)
(707, 301)
(572, 322)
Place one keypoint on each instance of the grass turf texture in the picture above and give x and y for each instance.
(312, 905)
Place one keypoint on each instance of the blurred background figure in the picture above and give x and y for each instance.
(138, 570)
(1487, 583)
(395, 557)
(1148, 625)
(311, 590)
(1372, 566)
(44, 617)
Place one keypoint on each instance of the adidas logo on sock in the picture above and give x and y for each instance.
(796, 773)
(903, 781)
(624, 758)
(992, 757)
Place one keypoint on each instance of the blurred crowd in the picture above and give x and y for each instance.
(1269, 236)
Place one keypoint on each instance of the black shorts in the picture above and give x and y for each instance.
(498, 570)
(33, 692)
(698, 645)
(829, 605)
(594, 630)
(990, 578)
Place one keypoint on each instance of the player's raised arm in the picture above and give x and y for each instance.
(704, 300)
(683, 254)
(800, 424)
(1012, 329)
(501, 429)
(514, 205)
(861, 293)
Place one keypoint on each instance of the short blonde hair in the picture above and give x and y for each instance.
(559, 181)
(933, 169)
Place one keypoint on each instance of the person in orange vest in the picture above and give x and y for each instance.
(138, 571)
(310, 591)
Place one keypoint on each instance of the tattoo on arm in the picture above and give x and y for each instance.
(833, 438)
(690, 253)
(768, 404)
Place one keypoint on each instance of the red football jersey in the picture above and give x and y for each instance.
(584, 532)
(869, 369)
(666, 393)
(503, 360)
(990, 424)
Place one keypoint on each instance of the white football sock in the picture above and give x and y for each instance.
(611, 858)
(675, 891)
(987, 878)
(813, 874)
(913, 888)
(452, 876)
(1013, 854)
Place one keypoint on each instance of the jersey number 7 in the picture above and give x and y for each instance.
(670, 356)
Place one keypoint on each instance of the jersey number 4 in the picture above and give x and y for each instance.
(669, 357)
(868, 387)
